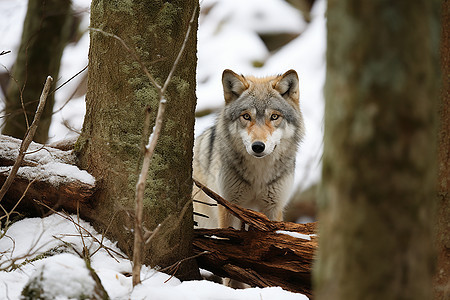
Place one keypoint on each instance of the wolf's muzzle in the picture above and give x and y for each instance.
(258, 147)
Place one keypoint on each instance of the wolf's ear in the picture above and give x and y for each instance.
(233, 85)
(287, 86)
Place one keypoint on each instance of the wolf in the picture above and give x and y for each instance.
(248, 155)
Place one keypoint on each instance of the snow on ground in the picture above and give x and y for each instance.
(227, 38)
(77, 280)
(30, 238)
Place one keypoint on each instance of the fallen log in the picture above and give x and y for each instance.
(47, 175)
(267, 254)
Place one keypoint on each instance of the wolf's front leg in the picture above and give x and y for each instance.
(276, 197)
(227, 220)
(273, 207)
(274, 212)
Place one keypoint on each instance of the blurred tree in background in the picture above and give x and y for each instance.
(46, 31)
(379, 166)
(442, 277)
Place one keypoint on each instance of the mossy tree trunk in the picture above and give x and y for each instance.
(111, 143)
(442, 276)
(377, 201)
(45, 33)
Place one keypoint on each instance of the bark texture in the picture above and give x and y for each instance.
(45, 34)
(442, 277)
(112, 136)
(377, 202)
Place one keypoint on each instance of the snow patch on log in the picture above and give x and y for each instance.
(43, 163)
(295, 234)
(55, 173)
(36, 153)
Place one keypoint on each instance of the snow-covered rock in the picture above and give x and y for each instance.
(63, 276)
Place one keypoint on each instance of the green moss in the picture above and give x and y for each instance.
(54, 251)
(121, 6)
(167, 16)
(258, 64)
(145, 95)
(181, 85)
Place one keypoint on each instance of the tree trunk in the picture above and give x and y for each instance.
(111, 143)
(46, 31)
(377, 201)
(442, 276)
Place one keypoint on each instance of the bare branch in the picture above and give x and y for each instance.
(82, 229)
(149, 76)
(148, 154)
(28, 138)
(70, 79)
(8, 214)
(174, 267)
(177, 60)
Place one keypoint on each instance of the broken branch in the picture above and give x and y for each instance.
(28, 138)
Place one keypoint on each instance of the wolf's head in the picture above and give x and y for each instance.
(263, 111)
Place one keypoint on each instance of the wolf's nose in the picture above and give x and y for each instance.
(258, 147)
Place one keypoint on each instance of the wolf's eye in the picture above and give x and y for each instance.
(246, 117)
(274, 117)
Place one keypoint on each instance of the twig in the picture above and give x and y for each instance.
(28, 138)
(177, 60)
(9, 264)
(74, 91)
(68, 80)
(149, 76)
(77, 225)
(8, 214)
(174, 267)
(148, 154)
(205, 203)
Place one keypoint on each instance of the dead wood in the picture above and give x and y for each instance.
(52, 189)
(267, 254)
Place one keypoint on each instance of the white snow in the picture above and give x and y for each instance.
(55, 173)
(297, 235)
(31, 237)
(11, 24)
(53, 165)
(63, 276)
(228, 37)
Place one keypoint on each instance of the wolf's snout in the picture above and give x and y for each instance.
(258, 147)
